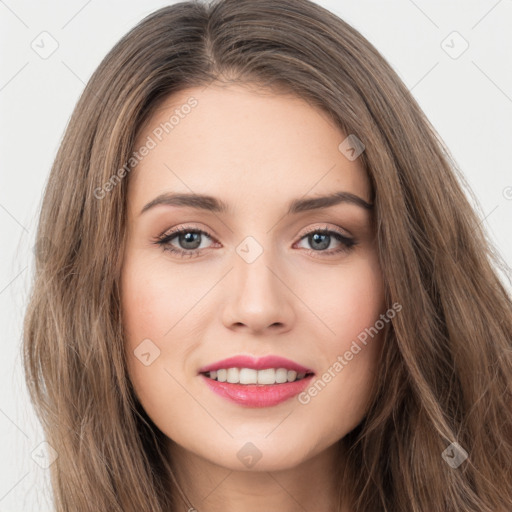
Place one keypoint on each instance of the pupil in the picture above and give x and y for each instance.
(189, 239)
(325, 243)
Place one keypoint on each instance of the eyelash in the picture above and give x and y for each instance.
(347, 244)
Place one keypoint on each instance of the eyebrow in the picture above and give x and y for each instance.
(215, 205)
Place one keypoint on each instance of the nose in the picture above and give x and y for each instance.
(258, 296)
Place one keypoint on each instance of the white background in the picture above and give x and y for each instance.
(467, 99)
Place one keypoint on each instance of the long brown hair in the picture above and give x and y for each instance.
(446, 369)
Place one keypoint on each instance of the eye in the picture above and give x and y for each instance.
(188, 238)
(320, 239)
(189, 241)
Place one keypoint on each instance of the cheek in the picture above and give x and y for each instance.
(345, 301)
(150, 310)
(154, 299)
(350, 307)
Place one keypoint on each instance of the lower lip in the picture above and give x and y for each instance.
(257, 395)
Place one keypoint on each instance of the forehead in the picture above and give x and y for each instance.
(240, 141)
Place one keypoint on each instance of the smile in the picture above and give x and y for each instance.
(250, 376)
(252, 382)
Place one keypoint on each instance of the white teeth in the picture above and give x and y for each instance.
(267, 376)
(281, 375)
(248, 376)
(292, 374)
(233, 375)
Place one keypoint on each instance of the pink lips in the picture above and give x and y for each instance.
(256, 364)
(257, 395)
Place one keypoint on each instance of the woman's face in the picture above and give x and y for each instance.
(255, 279)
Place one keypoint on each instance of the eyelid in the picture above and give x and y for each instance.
(173, 232)
(344, 233)
(348, 242)
(300, 234)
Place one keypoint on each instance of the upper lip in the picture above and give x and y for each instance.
(260, 363)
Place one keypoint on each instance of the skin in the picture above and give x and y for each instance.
(256, 150)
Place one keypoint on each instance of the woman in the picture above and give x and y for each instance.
(337, 340)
